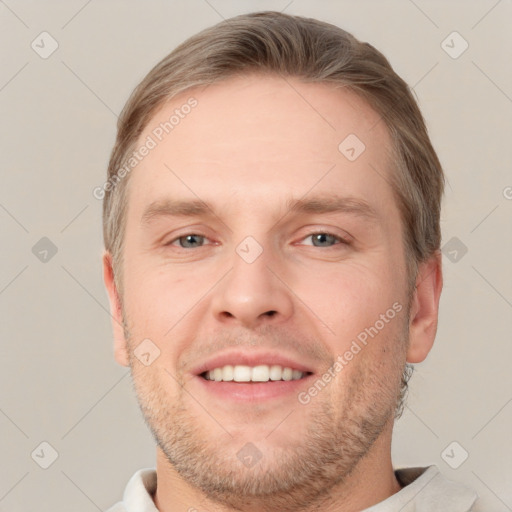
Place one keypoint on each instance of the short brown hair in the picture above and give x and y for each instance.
(313, 51)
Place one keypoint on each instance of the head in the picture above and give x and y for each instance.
(311, 229)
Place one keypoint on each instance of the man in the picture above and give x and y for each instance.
(271, 223)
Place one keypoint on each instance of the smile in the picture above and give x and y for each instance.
(260, 373)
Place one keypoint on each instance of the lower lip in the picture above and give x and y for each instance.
(254, 391)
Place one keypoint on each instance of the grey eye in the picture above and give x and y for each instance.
(191, 241)
(323, 239)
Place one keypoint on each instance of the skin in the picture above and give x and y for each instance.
(249, 146)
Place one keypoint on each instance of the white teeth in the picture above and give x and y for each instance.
(287, 373)
(227, 373)
(242, 373)
(260, 373)
(276, 372)
(217, 374)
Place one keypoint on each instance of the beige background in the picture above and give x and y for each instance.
(58, 380)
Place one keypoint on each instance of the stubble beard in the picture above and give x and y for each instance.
(287, 478)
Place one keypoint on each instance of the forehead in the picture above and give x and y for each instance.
(263, 136)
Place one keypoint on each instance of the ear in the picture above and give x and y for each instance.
(424, 308)
(120, 344)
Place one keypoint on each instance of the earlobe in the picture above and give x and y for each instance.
(424, 308)
(120, 343)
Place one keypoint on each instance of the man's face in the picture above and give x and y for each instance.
(253, 281)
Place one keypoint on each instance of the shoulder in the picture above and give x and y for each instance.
(118, 507)
(427, 490)
(138, 493)
(431, 490)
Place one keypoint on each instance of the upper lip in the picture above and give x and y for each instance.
(250, 358)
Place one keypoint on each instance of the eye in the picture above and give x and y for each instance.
(189, 241)
(318, 239)
(322, 239)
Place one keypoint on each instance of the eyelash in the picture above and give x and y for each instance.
(341, 240)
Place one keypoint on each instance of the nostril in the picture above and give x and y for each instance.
(271, 313)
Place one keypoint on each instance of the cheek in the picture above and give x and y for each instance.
(351, 297)
(163, 305)
(157, 298)
(372, 360)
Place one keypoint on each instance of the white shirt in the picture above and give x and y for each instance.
(425, 490)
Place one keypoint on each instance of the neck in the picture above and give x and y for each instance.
(372, 481)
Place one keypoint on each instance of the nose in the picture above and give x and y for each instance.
(252, 294)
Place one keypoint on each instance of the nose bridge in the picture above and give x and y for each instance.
(251, 294)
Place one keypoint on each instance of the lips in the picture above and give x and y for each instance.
(246, 377)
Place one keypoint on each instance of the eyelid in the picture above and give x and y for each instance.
(343, 237)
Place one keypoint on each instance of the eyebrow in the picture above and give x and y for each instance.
(323, 204)
(333, 204)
